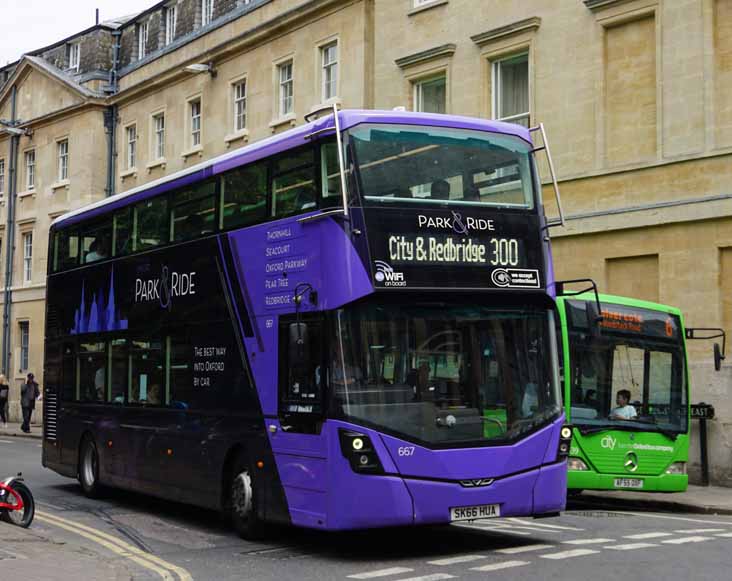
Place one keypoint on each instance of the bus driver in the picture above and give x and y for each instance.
(624, 411)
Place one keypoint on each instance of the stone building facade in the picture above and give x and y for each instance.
(633, 94)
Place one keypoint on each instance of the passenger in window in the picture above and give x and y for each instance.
(153, 394)
(97, 250)
(624, 411)
(99, 378)
(440, 190)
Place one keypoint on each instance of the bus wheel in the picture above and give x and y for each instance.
(89, 468)
(242, 502)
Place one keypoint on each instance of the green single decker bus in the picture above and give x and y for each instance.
(626, 392)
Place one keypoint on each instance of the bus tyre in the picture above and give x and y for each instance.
(89, 468)
(242, 503)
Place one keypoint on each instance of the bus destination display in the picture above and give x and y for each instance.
(449, 249)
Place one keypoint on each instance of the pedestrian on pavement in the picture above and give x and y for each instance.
(29, 393)
(4, 394)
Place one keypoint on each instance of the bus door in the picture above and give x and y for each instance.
(298, 441)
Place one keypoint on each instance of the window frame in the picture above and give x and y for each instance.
(131, 146)
(74, 56)
(62, 155)
(496, 87)
(23, 345)
(282, 98)
(27, 237)
(207, 12)
(195, 133)
(417, 90)
(171, 18)
(236, 101)
(2, 176)
(158, 136)
(29, 157)
(325, 67)
(143, 32)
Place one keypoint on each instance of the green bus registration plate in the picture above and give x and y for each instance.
(628, 483)
(474, 512)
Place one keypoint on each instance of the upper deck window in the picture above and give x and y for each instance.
(435, 165)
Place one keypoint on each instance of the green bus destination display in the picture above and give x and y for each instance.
(465, 248)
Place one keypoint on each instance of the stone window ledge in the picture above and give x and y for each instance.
(59, 185)
(445, 50)
(527, 25)
(198, 149)
(128, 173)
(597, 5)
(27, 193)
(427, 6)
(161, 162)
(287, 119)
(236, 136)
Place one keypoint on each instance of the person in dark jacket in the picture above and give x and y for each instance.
(29, 393)
(4, 394)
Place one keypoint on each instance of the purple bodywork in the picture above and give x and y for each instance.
(321, 489)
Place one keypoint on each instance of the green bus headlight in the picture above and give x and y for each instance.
(677, 468)
(576, 464)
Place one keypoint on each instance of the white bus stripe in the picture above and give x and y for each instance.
(643, 536)
(499, 566)
(630, 546)
(570, 554)
(684, 540)
(589, 541)
(456, 560)
(381, 573)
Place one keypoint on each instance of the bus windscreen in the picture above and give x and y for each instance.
(412, 164)
(445, 374)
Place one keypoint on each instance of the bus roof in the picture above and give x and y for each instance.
(625, 301)
(277, 144)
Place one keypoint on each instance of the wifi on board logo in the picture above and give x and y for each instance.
(386, 274)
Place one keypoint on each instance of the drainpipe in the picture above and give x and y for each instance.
(110, 115)
(10, 234)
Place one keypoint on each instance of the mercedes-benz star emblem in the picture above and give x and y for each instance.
(631, 462)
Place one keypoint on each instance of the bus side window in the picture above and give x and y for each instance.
(293, 185)
(118, 371)
(92, 372)
(122, 242)
(244, 196)
(66, 250)
(151, 224)
(194, 212)
(330, 176)
(146, 371)
(96, 241)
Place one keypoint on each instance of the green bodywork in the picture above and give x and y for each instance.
(605, 452)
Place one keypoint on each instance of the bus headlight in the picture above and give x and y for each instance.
(677, 468)
(565, 441)
(359, 451)
(576, 464)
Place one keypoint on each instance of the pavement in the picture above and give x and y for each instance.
(13, 429)
(697, 500)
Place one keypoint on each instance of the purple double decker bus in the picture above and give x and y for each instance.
(344, 326)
